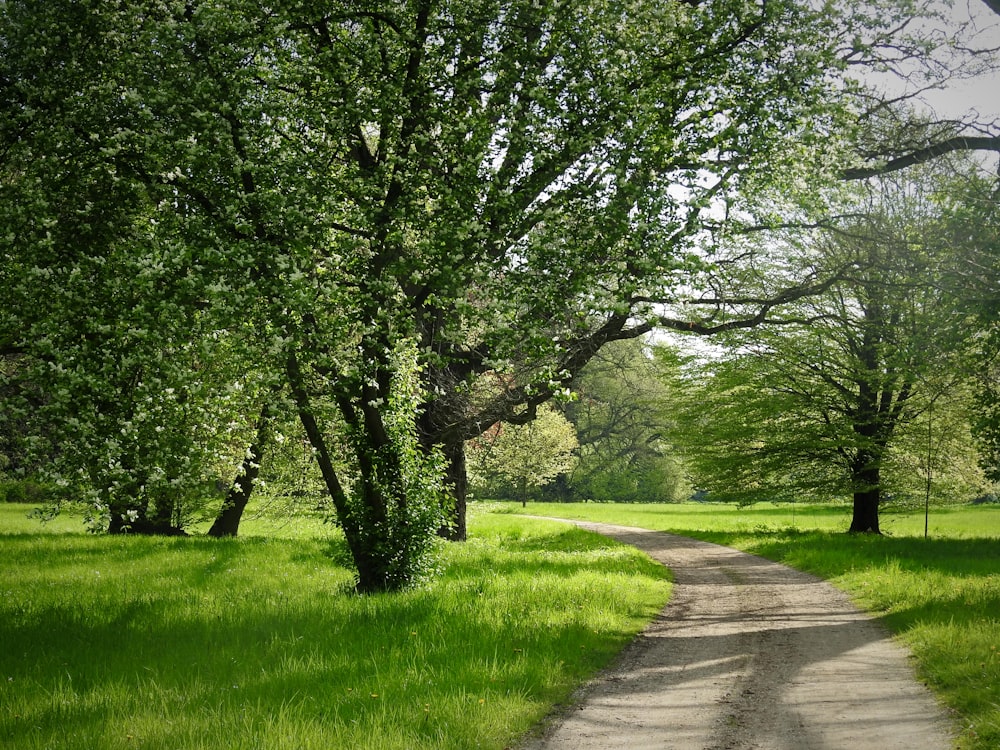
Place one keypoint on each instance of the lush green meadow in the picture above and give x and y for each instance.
(941, 595)
(132, 642)
(257, 642)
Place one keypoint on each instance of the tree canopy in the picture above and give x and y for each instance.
(524, 456)
(821, 406)
(624, 415)
(402, 222)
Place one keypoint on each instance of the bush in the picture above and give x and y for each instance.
(24, 491)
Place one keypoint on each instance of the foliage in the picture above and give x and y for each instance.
(288, 468)
(220, 199)
(939, 437)
(987, 422)
(397, 533)
(819, 406)
(975, 284)
(135, 394)
(623, 419)
(517, 457)
(23, 491)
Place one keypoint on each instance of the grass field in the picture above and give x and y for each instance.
(941, 595)
(196, 643)
(109, 643)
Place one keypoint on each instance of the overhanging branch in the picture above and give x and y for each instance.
(518, 403)
(921, 155)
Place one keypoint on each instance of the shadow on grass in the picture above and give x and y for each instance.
(555, 553)
(100, 634)
(908, 563)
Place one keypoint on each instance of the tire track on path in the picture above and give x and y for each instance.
(749, 655)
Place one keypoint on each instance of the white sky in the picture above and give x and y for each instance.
(982, 93)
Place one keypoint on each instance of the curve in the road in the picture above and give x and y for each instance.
(750, 655)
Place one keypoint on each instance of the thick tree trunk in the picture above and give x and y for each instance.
(434, 426)
(380, 563)
(865, 519)
(867, 495)
(227, 522)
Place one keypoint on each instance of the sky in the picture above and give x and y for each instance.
(983, 92)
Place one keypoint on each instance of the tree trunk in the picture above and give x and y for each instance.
(370, 574)
(454, 528)
(381, 559)
(227, 522)
(865, 519)
(432, 435)
(867, 495)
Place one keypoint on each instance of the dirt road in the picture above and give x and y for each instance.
(750, 654)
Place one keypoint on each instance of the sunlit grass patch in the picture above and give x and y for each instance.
(257, 642)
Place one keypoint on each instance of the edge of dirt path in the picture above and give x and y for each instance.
(747, 654)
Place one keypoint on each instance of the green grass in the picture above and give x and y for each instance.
(131, 642)
(256, 643)
(941, 595)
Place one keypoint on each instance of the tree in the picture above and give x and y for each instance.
(386, 203)
(623, 419)
(974, 284)
(138, 384)
(902, 138)
(227, 522)
(897, 132)
(377, 209)
(524, 456)
(821, 406)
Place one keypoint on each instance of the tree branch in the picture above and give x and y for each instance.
(921, 155)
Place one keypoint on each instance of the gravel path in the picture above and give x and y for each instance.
(750, 654)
